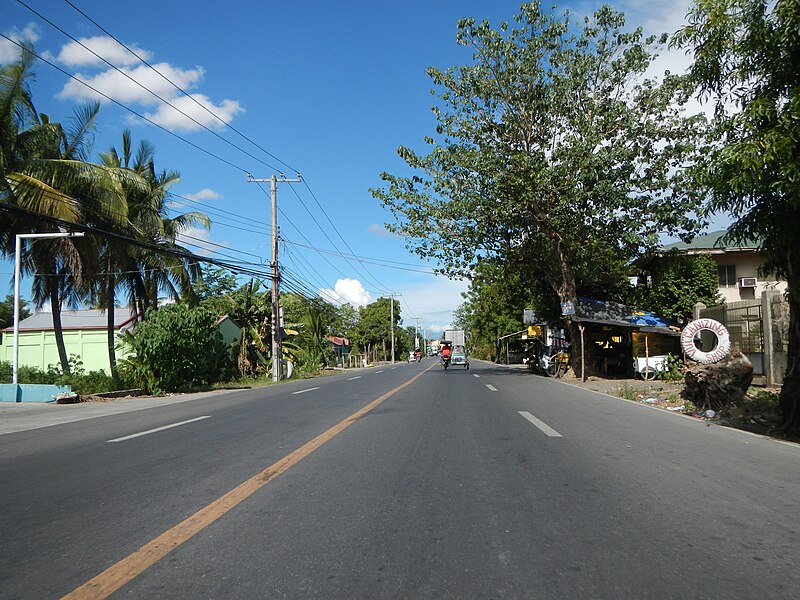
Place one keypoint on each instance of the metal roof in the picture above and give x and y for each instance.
(710, 241)
(77, 319)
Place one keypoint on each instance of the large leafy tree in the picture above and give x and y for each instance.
(746, 55)
(7, 311)
(373, 330)
(552, 149)
(678, 283)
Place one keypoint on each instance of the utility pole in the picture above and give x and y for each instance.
(276, 276)
(391, 304)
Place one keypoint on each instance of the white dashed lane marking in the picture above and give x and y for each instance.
(306, 390)
(543, 427)
(149, 431)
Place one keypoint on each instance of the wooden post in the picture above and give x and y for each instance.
(583, 354)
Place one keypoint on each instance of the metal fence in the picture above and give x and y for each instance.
(743, 321)
(758, 328)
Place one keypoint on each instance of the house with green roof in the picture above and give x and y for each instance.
(84, 337)
(737, 266)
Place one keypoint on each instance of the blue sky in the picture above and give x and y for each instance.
(329, 89)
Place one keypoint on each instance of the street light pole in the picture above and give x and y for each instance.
(17, 272)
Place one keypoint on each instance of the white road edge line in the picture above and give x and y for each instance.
(491, 387)
(376, 372)
(306, 390)
(135, 435)
(544, 427)
(475, 375)
(356, 377)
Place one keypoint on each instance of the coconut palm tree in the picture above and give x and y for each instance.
(141, 271)
(44, 171)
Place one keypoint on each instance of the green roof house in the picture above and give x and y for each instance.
(737, 266)
(84, 336)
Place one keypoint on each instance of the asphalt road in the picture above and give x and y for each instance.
(487, 483)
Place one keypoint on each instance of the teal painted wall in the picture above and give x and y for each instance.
(38, 349)
(230, 331)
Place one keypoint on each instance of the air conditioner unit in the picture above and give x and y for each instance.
(747, 282)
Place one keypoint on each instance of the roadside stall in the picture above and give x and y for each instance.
(622, 342)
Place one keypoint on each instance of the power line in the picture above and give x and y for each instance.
(374, 262)
(148, 90)
(177, 87)
(123, 106)
(158, 248)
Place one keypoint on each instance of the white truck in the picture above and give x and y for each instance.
(456, 336)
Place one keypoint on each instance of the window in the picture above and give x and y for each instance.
(726, 274)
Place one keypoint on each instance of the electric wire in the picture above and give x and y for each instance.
(352, 256)
(123, 106)
(360, 260)
(310, 191)
(177, 87)
(158, 248)
(148, 90)
(363, 271)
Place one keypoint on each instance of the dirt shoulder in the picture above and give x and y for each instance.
(758, 413)
(664, 394)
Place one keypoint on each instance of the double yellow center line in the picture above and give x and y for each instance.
(113, 578)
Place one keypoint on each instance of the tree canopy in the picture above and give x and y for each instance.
(746, 56)
(552, 149)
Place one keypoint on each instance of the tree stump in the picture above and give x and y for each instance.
(719, 384)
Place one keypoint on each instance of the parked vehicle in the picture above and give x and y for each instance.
(558, 363)
(552, 361)
(648, 368)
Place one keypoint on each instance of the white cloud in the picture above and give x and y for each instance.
(379, 230)
(74, 54)
(176, 118)
(9, 51)
(198, 240)
(124, 88)
(204, 194)
(347, 291)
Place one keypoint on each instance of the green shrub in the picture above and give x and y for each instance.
(176, 348)
(764, 401)
(674, 370)
(93, 382)
(627, 392)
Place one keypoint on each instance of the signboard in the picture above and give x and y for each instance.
(567, 308)
(534, 330)
(529, 316)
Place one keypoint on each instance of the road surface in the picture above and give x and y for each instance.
(400, 481)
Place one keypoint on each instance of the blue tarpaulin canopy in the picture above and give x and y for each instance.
(614, 313)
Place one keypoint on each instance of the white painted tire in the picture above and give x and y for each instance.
(719, 352)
